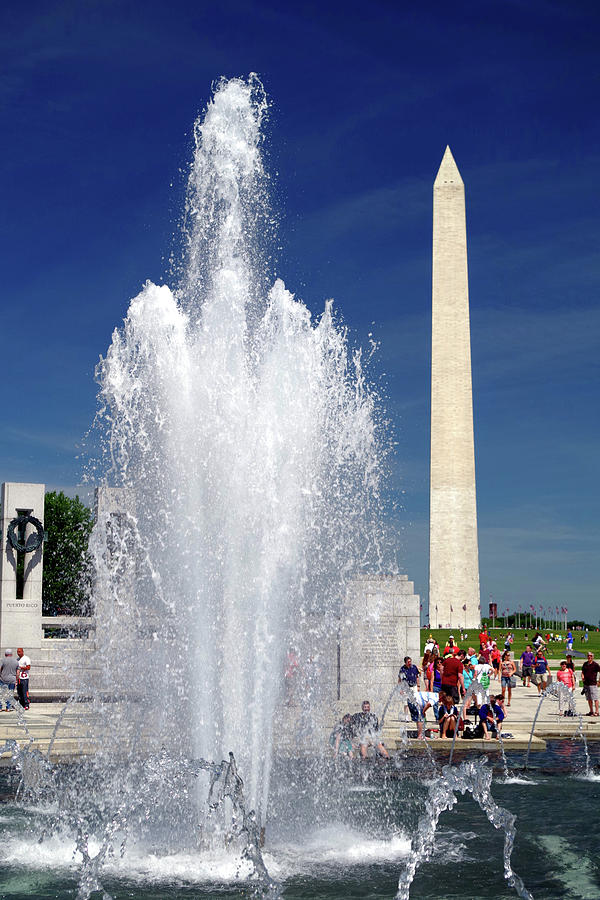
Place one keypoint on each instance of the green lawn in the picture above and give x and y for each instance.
(555, 650)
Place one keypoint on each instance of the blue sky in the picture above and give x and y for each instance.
(97, 103)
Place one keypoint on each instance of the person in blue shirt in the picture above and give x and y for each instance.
(491, 717)
(540, 665)
(409, 673)
(570, 640)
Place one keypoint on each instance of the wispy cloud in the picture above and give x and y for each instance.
(43, 437)
(384, 208)
(549, 343)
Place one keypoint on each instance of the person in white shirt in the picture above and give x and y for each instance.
(483, 673)
(423, 701)
(23, 678)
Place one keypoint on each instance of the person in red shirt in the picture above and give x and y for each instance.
(483, 638)
(495, 657)
(452, 678)
(451, 647)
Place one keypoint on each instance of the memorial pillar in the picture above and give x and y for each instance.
(21, 598)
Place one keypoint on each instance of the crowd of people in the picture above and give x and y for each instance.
(14, 678)
(446, 677)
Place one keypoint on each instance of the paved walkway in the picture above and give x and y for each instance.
(45, 727)
(69, 733)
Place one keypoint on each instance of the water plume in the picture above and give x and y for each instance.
(245, 438)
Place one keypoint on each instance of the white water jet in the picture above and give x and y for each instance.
(246, 434)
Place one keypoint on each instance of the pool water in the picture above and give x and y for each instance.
(346, 833)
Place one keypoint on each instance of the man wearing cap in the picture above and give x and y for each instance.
(451, 647)
(23, 678)
(8, 678)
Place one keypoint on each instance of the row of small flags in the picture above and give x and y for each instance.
(542, 610)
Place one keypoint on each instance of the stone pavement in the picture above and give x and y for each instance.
(48, 728)
(70, 733)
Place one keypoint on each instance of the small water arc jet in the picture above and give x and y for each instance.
(474, 777)
(556, 691)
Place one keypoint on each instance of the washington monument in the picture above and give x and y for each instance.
(453, 554)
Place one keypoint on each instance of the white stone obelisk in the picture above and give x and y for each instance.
(453, 554)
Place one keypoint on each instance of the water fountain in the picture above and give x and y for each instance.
(244, 441)
(245, 444)
(246, 434)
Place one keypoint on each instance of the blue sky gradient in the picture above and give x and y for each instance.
(97, 104)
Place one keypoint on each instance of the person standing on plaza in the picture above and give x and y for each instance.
(527, 658)
(23, 678)
(507, 671)
(410, 674)
(435, 676)
(427, 667)
(425, 664)
(486, 650)
(495, 659)
(567, 677)
(8, 678)
(589, 672)
(452, 677)
(468, 671)
(540, 669)
(483, 674)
